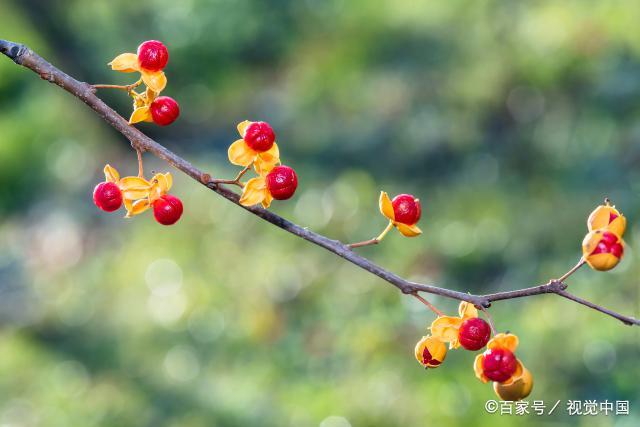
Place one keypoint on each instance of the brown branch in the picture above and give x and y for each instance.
(21, 55)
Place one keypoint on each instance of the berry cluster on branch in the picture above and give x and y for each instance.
(602, 248)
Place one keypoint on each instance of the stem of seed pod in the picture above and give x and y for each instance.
(235, 181)
(428, 304)
(128, 88)
(241, 174)
(140, 167)
(575, 268)
(363, 243)
(489, 318)
(374, 241)
(384, 233)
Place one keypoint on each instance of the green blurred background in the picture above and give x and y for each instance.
(510, 121)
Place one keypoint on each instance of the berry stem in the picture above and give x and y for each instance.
(128, 88)
(489, 318)
(235, 181)
(385, 231)
(575, 268)
(428, 304)
(374, 241)
(140, 167)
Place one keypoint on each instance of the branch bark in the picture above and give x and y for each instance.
(22, 55)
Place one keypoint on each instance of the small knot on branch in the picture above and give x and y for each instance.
(556, 285)
(205, 178)
(484, 304)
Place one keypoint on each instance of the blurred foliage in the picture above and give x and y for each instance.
(510, 121)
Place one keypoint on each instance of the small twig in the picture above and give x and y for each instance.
(235, 181)
(428, 304)
(364, 243)
(373, 241)
(127, 88)
(575, 268)
(624, 319)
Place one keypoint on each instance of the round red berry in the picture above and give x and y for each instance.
(107, 196)
(498, 364)
(474, 334)
(259, 136)
(282, 182)
(164, 110)
(406, 209)
(167, 209)
(153, 55)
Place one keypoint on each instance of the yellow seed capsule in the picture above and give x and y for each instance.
(430, 352)
(607, 217)
(602, 249)
(516, 390)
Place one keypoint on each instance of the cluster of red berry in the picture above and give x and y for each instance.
(137, 195)
(150, 60)
(258, 149)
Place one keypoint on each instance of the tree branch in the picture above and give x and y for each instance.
(22, 55)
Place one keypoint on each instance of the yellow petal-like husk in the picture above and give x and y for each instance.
(141, 114)
(467, 310)
(600, 219)
(150, 95)
(164, 180)
(517, 390)
(242, 127)
(111, 174)
(268, 198)
(126, 63)
(133, 182)
(134, 187)
(408, 230)
(385, 205)
(502, 340)
(267, 160)
(477, 368)
(136, 207)
(254, 192)
(602, 262)
(156, 81)
(436, 348)
(241, 154)
(445, 328)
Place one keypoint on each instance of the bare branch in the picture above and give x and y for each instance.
(21, 55)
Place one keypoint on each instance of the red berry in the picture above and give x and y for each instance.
(167, 209)
(107, 196)
(406, 209)
(474, 333)
(153, 55)
(259, 136)
(609, 244)
(498, 364)
(164, 110)
(282, 182)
